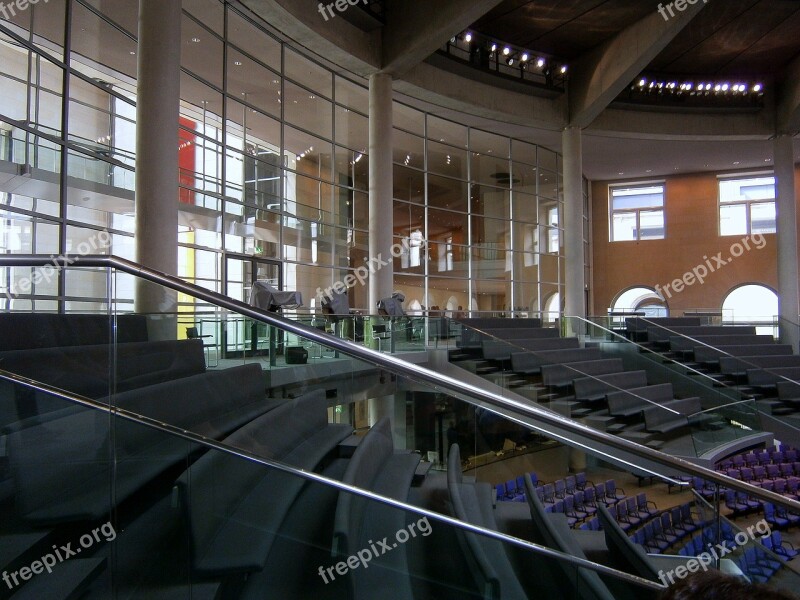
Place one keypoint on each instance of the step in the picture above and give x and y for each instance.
(640, 437)
(68, 581)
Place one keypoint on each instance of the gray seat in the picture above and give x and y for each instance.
(61, 468)
(496, 350)
(663, 333)
(626, 403)
(375, 466)
(561, 375)
(770, 377)
(658, 419)
(706, 354)
(552, 530)
(596, 388)
(234, 508)
(490, 566)
(530, 363)
(688, 344)
(626, 556)
(731, 365)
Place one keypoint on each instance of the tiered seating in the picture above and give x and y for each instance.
(228, 527)
(61, 466)
(582, 383)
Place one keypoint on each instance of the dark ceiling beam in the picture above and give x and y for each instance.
(598, 77)
(414, 30)
(788, 117)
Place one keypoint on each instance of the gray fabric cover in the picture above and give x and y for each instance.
(264, 296)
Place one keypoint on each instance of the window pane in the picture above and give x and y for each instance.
(637, 197)
(762, 217)
(652, 225)
(753, 188)
(623, 227)
(733, 219)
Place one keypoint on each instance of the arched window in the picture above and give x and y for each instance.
(641, 299)
(751, 303)
(552, 308)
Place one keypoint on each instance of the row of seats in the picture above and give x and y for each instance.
(771, 455)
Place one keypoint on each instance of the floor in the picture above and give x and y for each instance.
(552, 463)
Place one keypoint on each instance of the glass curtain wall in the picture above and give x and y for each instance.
(273, 164)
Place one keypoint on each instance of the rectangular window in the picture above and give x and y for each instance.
(637, 212)
(747, 205)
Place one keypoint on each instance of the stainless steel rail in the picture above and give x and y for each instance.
(321, 479)
(403, 368)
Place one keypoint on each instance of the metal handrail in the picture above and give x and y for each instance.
(317, 478)
(405, 369)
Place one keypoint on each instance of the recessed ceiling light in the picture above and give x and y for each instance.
(621, 173)
(649, 170)
(132, 53)
(736, 162)
(196, 40)
(238, 63)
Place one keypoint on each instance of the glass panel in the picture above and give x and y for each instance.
(733, 219)
(408, 118)
(253, 83)
(308, 74)
(525, 207)
(523, 152)
(637, 197)
(490, 202)
(408, 150)
(351, 168)
(447, 160)
(354, 96)
(352, 129)
(447, 132)
(762, 217)
(409, 184)
(623, 227)
(253, 40)
(651, 223)
(308, 110)
(751, 188)
(446, 193)
(201, 52)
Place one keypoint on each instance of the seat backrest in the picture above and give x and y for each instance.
(551, 531)
(624, 554)
(366, 463)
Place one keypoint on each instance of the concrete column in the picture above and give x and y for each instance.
(381, 279)
(786, 202)
(157, 106)
(575, 283)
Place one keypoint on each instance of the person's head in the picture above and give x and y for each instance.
(714, 585)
